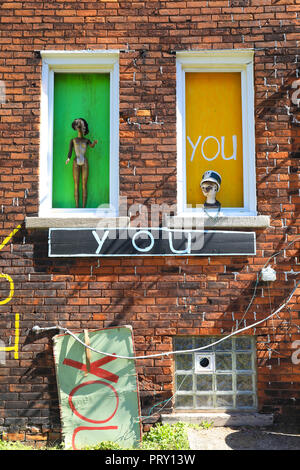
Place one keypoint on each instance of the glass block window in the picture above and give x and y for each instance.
(225, 379)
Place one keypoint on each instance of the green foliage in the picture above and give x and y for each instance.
(206, 424)
(9, 445)
(166, 437)
(16, 445)
(202, 425)
(160, 437)
(105, 445)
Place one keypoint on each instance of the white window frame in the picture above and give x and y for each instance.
(95, 61)
(218, 61)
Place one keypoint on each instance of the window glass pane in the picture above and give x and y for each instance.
(184, 401)
(204, 382)
(224, 401)
(223, 362)
(204, 401)
(243, 344)
(184, 382)
(204, 341)
(184, 362)
(225, 345)
(245, 400)
(243, 361)
(244, 382)
(224, 382)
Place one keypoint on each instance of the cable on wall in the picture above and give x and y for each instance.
(38, 329)
(259, 275)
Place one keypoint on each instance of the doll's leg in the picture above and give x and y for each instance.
(76, 173)
(85, 174)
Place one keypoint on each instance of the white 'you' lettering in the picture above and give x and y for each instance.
(100, 241)
(220, 147)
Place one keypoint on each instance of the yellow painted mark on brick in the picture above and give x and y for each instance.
(11, 287)
(14, 348)
(7, 239)
(17, 335)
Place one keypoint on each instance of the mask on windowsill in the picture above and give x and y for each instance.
(210, 185)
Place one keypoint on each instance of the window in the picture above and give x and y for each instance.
(220, 377)
(79, 84)
(215, 129)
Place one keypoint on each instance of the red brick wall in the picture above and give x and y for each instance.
(159, 297)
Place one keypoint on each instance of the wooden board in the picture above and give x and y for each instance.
(149, 242)
(98, 394)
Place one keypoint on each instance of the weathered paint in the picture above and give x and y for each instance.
(153, 241)
(214, 135)
(99, 404)
(81, 95)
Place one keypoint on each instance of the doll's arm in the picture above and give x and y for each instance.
(70, 151)
(92, 144)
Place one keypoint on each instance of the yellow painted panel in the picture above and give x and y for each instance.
(214, 138)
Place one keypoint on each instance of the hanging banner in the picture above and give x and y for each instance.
(98, 394)
(149, 242)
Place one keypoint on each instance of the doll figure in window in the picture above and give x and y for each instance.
(210, 185)
(80, 164)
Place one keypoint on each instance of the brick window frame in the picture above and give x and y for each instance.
(95, 61)
(234, 61)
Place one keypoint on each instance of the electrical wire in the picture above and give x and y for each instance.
(253, 325)
(280, 251)
(251, 301)
(259, 276)
(237, 331)
(164, 401)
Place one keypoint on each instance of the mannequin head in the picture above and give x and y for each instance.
(210, 185)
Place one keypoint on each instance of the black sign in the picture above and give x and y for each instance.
(149, 242)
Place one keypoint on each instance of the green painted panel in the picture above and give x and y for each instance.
(81, 95)
(102, 404)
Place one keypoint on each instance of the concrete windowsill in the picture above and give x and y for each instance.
(223, 221)
(75, 222)
(221, 419)
(188, 222)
